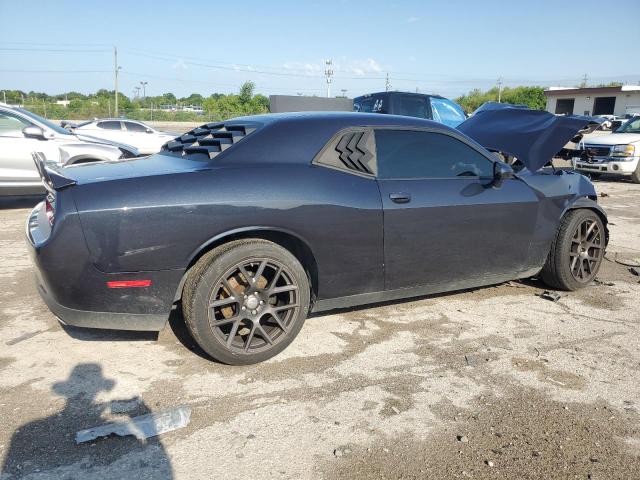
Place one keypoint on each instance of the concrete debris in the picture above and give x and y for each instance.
(462, 438)
(549, 295)
(489, 463)
(395, 410)
(142, 427)
(604, 195)
(24, 337)
(597, 281)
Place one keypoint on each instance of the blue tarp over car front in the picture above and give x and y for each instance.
(532, 136)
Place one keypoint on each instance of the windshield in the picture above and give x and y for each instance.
(632, 126)
(447, 112)
(44, 121)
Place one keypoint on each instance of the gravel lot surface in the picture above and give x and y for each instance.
(489, 383)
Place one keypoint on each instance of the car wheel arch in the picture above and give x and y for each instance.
(589, 203)
(284, 238)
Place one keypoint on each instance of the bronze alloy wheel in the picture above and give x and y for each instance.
(587, 248)
(253, 304)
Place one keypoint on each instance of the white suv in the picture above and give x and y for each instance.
(616, 153)
(23, 132)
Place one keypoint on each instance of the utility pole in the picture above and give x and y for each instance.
(328, 73)
(584, 81)
(115, 71)
(4, 95)
(144, 90)
(387, 83)
(344, 92)
(499, 89)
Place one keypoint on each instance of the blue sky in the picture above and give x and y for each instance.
(445, 47)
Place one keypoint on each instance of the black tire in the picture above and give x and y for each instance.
(577, 251)
(635, 176)
(264, 312)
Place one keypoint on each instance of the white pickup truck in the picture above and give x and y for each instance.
(616, 153)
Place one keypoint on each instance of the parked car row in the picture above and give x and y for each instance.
(23, 132)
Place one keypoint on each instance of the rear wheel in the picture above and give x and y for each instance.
(577, 251)
(246, 301)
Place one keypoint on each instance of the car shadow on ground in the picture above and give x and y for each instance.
(49, 443)
(14, 203)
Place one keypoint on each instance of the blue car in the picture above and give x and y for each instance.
(248, 225)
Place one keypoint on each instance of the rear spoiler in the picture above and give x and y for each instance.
(51, 178)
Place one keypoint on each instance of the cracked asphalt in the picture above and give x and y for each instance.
(488, 383)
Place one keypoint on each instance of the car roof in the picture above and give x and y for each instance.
(116, 120)
(338, 119)
(396, 93)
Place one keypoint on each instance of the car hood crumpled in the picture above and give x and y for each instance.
(533, 136)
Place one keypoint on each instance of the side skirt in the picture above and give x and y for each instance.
(418, 291)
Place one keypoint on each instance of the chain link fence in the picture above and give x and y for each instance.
(89, 112)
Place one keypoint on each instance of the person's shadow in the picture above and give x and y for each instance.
(48, 444)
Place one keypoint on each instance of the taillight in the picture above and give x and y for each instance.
(50, 208)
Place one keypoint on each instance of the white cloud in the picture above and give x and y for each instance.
(180, 65)
(343, 65)
(362, 67)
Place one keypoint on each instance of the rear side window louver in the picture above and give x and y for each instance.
(354, 151)
(207, 141)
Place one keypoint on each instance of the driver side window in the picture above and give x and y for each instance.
(406, 154)
(10, 124)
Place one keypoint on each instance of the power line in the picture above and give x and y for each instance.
(52, 50)
(54, 71)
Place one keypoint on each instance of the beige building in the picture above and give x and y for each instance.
(594, 100)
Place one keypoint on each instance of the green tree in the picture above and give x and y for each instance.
(246, 92)
(532, 97)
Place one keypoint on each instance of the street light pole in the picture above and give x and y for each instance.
(144, 90)
(115, 71)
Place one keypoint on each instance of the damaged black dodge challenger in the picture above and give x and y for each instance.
(250, 224)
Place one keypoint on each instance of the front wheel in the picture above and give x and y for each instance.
(245, 301)
(635, 176)
(577, 251)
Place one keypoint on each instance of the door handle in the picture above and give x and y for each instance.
(400, 197)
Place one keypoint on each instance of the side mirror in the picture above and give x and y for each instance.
(31, 131)
(501, 172)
